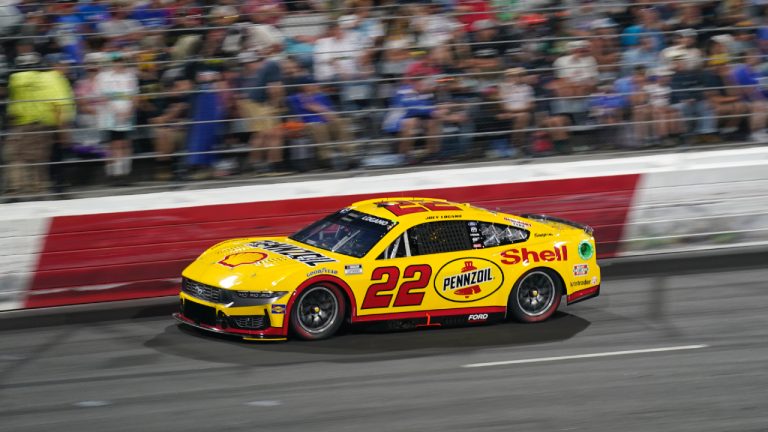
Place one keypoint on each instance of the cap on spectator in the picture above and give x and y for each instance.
(686, 33)
(723, 39)
(223, 12)
(247, 57)
(661, 71)
(532, 19)
(94, 57)
(676, 55)
(347, 21)
(515, 71)
(483, 24)
(602, 23)
(577, 45)
(27, 60)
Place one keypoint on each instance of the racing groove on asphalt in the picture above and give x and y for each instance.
(147, 373)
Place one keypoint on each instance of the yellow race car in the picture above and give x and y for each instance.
(413, 261)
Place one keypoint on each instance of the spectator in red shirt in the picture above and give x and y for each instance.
(471, 11)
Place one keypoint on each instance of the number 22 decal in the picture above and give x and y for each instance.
(379, 295)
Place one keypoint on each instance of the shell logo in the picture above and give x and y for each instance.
(468, 279)
(242, 258)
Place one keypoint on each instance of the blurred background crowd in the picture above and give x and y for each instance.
(117, 92)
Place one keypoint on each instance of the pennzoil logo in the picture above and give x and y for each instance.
(242, 258)
(468, 279)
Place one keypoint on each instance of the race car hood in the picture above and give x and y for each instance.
(255, 263)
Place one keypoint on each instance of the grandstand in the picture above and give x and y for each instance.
(98, 94)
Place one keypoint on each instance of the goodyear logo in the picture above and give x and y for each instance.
(242, 258)
(278, 309)
(468, 279)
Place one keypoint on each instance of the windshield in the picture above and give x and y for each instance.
(347, 232)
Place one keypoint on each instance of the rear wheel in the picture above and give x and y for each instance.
(535, 297)
(318, 312)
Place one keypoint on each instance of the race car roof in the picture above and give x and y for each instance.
(417, 208)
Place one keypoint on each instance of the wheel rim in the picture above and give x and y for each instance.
(317, 310)
(536, 293)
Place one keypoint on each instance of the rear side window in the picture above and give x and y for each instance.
(486, 234)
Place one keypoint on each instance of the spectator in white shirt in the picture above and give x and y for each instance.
(435, 28)
(118, 87)
(666, 118)
(576, 72)
(517, 100)
(684, 48)
(336, 55)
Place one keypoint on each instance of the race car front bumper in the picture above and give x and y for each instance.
(252, 323)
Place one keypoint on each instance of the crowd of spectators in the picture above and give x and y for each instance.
(200, 89)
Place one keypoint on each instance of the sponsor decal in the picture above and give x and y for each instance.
(400, 208)
(542, 234)
(377, 221)
(517, 223)
(594, 280)
(477, 317)
(322, 271)
(586, 250)
(353, 269)
(580, 269)
(515, 256)
(580, 283)
(468, 279)
(278, 309)
(296, 253)
(242, 258)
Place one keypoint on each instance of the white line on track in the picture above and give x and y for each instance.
(583, 356)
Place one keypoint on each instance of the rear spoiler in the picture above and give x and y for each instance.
(544, 218)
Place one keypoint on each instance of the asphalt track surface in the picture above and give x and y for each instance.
(134, 369)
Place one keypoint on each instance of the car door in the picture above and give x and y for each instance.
(435, 265)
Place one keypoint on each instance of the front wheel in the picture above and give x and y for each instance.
(535, 297)
(318, 312)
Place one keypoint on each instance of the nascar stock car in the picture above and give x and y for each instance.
(411, 261)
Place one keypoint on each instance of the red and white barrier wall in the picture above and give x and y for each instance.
(126, 247)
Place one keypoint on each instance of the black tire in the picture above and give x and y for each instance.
(318, 312)
(535, 297)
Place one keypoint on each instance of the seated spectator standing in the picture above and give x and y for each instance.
(666, 120)
(118, 86)
(413, 111)
(605, 47)
(487, 47)
(636, 103)
(518, 102)
(724, 97)
(206, 109)
(29, 140)
(315, 109)
(748, 76)
(688, 100)
(168, 134)
(260, 103)
(607, 107)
